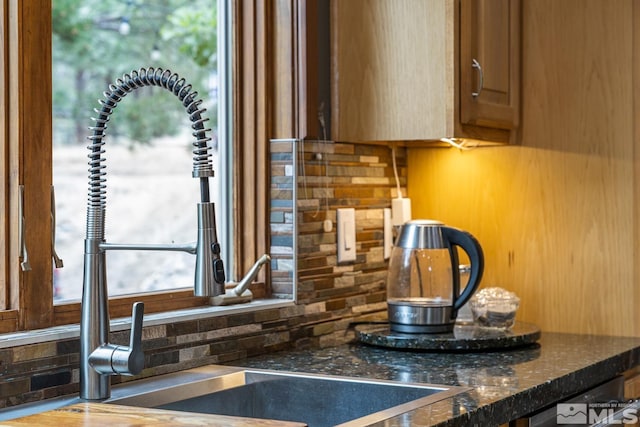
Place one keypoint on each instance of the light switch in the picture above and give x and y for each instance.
(388, 233)
(346, 234)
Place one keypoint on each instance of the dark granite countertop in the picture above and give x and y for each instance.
(506, 384)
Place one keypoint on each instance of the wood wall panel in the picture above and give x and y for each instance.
(636, 163)
(4, 155)
(250, 131)
(556, 215)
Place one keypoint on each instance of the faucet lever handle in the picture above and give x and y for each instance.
(130, 361)
(110, 359)
(137, 315)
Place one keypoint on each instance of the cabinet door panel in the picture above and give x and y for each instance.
(392, 69)
(489, 34)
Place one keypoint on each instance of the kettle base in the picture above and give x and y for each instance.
(421, 329)
(419, 317)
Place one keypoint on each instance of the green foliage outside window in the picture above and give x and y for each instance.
(97, 41)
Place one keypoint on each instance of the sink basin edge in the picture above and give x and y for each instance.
(358, 401)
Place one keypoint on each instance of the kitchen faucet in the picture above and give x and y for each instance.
(100, 359)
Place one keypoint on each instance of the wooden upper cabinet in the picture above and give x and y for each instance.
(402, 70)
(490, 51)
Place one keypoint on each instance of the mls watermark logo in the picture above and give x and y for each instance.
(571, 413)
(612, 413)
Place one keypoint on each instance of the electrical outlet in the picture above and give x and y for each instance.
(400, 210)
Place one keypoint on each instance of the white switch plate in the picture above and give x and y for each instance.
(388, 233)
(346, 234)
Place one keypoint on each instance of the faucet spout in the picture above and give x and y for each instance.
(100, 359)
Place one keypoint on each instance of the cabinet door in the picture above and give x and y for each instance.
(392, 69)
(490, 63)
(632, 384)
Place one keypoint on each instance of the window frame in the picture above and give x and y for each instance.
(26, 161)
(260, 31)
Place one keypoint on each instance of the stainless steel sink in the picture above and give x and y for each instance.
(317, 400)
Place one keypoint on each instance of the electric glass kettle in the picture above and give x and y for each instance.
(423, 283)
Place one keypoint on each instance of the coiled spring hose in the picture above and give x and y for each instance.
(202, 164)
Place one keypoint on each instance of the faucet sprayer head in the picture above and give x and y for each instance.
(209, 276)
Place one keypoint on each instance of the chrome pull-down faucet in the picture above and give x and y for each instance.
(100, 359)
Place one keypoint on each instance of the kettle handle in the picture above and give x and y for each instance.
(472, 247)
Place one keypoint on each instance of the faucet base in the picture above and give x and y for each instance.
(230, 298)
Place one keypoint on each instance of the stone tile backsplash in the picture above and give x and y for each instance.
(330, 295)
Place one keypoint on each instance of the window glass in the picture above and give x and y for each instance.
(151, 195)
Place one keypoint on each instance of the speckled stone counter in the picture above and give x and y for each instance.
(506, 384)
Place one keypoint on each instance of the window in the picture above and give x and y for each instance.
(150, 192)
(260, 30)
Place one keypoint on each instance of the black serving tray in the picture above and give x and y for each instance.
(464, 337)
